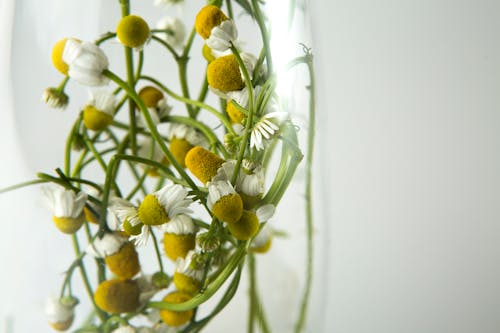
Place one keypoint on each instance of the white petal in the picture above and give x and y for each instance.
(265, 213)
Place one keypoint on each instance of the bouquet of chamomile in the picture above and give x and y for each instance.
(198, 195)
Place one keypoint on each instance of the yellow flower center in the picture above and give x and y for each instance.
(207, 53)
(186, 284)
(132, 31)
(208, 18)
(117, 296)
(203, 163)
(235, 115)
(150, 96)
(246, 227)
(124, 263)
(176, 318)
(57, 56)
(68, 225)
(132, 230)
(228, 208)
(151, 212)
(96, 120)
(89, 216)
(180, 148)
(224, 74)
(178, 246)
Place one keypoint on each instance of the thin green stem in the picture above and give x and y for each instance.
(265, 35)
(21, 185)
(182, 67)
(252, 306)
(157, 249)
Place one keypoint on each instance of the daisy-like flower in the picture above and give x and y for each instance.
(224, 202)
(66, 206)
(119, 254)
(99, 111)
(176, 318)
(182, 139)
(60, 314)
(266, 128)
(163, 205)
(202, 163)
(213, 25)
(248, 225)
(132, 31)
(86, 62)
(241, 98)
(156, 103)
(55, 98)
(175, 31)
(262, 242)
(179, 236)
(187, 277)
(130, 223)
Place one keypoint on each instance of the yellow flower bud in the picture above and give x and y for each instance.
(68, 225)
(208, 18)
(180, 148)
(117, 296)
(176, 246)
(203, 163)
(224, 74)
(132, 31)
(228, 208)
(176, 318)
(124, 263)
(151, 212)
(95, 119)
(246, 227)
(150, 96)
(186, 283)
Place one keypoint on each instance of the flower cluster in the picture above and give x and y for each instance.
(195, 198)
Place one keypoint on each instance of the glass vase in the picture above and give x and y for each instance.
(264, 276)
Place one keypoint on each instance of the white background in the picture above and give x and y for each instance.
(408, 172)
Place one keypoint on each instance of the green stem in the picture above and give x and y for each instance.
(166, 45)
(299, 326)
(265, 35)
(252, 293)
(202, 95)
(21, 185)
(182, 66)
(157, 249)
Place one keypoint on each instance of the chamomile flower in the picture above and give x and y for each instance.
(60, 313)
(187, 277)
(248, 225)
(266, 128)
(202, 163)
(223, 36)
(119, 254)
(156, 103)
(132, 31)
(223, 74)
(55, 98)
(86, 62)
(224, 202)
(175, 31)
(176, 318)
(179, 236)
(130, 222)
(117, 296)
(99, 111)
(66, 206)
(163, 205)
(182, 139)
(262, 242)
(241, 98)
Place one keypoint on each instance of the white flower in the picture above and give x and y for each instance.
(57, 312)
(262, 237)
(124, 329)
(223, 36)
(125, 211)
(173, 198)
(180, 225)
(108, 245)
(249, 182)
(217, 190)
(142, 238)
(175, 31)
(265, 128)
(64, 203)
(102, 100)
(86, 63)
(188, 133)
(184, 267)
